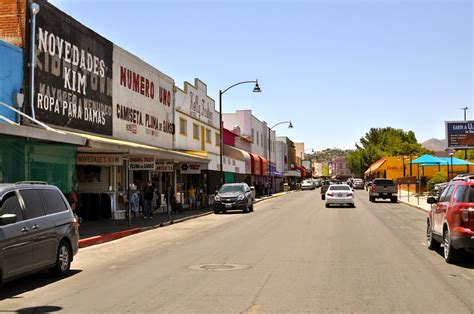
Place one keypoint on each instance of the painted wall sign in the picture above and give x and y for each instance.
(143, 102)
(195, 102)
(164, 166)
(73, 73)
(142, 163)
(190, 168)
(460, 134)
(99, 159)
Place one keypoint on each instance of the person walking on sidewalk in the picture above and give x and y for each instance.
(192, 197)
(135, 203)
(147, 200)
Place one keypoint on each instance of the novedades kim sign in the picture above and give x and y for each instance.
(99, 159)
(73, 73)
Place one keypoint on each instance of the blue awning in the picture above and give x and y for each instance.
(428, 160)
(456, 161)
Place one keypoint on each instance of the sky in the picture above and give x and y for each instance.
(334, 68)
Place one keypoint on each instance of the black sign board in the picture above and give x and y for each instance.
(73, 73)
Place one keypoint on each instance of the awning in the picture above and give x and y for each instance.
(427, 160)
(97, 143)
(256, 164)
(264, 165)
(376, 165)
(241, 155)
(41, 134)
(456, 161)
(291, 173)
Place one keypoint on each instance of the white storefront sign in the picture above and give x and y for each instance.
(142, 101)
(195, 102)
(190, 168)
(142, 163)
(99, 159)
(164, 166)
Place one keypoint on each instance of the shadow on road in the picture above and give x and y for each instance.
(465, 259)
(16, 287)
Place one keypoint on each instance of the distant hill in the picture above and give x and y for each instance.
(435, 144)
(329, 154)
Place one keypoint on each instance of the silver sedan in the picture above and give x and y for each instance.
(340, 194)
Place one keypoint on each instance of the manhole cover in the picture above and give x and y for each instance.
(219, 267)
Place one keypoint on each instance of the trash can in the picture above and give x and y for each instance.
(252, 190)
(286, 187)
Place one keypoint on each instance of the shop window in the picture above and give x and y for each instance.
(257, 138)
(208, 136)
(195, 131)
(218, 140)
(183, 127)
(233, 162)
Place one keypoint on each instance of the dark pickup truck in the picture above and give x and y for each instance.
(383, 188)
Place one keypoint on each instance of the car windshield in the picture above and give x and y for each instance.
(231, 188)
(339, 188)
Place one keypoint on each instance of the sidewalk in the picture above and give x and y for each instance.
(101, 231)
(414, 201)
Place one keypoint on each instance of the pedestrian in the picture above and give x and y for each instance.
(73, 201)
(147, 200)
(192, 197)
(135, 203)
(155, 203)
(171, 199)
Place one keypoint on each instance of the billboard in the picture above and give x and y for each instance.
(460, 134)
(73, 73)
(142, 101)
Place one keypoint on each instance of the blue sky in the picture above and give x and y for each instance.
(335, 68)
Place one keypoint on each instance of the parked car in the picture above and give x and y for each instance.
(451, 219)
(340, 194)
(385, 189)
(234, 196)
(37, 230)
(308, 185)
(358, 184)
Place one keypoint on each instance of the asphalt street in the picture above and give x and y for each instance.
(291, 255)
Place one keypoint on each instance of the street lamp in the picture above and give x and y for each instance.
(290, 126)
(451, 153)
(256, 89)
(34, 10)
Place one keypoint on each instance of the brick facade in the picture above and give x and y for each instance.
(12, 21)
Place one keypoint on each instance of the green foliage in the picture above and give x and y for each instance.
(460, 154)
(382, 142)
(440, 177)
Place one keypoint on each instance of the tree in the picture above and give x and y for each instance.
(382, 142)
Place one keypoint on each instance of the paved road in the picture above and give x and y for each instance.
(292, 255)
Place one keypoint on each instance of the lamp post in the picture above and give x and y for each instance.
(465, 119)
(290, 126)
(403, 164)
(34, 10)
(451, 153)
(256, 89)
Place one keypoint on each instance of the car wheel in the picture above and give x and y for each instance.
(327, 205)
(323, 197)
(431, 243)
(251, 208)
(216, 211)
(450, 253)
(246, 209)
(63, 259)
(394, 200)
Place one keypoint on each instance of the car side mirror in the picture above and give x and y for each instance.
(431, 200)
(7, 219)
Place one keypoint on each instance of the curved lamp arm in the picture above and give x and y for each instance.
(281, 123)
(243, 82)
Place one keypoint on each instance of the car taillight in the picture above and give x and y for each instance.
(330, 194)
(396, 188)
(465, 213)
(373, 188)
(349, 194)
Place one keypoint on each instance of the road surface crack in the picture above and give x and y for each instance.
(253, 307)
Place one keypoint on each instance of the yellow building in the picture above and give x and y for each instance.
(392, 167)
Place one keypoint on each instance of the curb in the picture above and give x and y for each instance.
(414, 206)
(125, 233)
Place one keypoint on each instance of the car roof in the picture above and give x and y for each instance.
(236, 184)
(24, 185)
